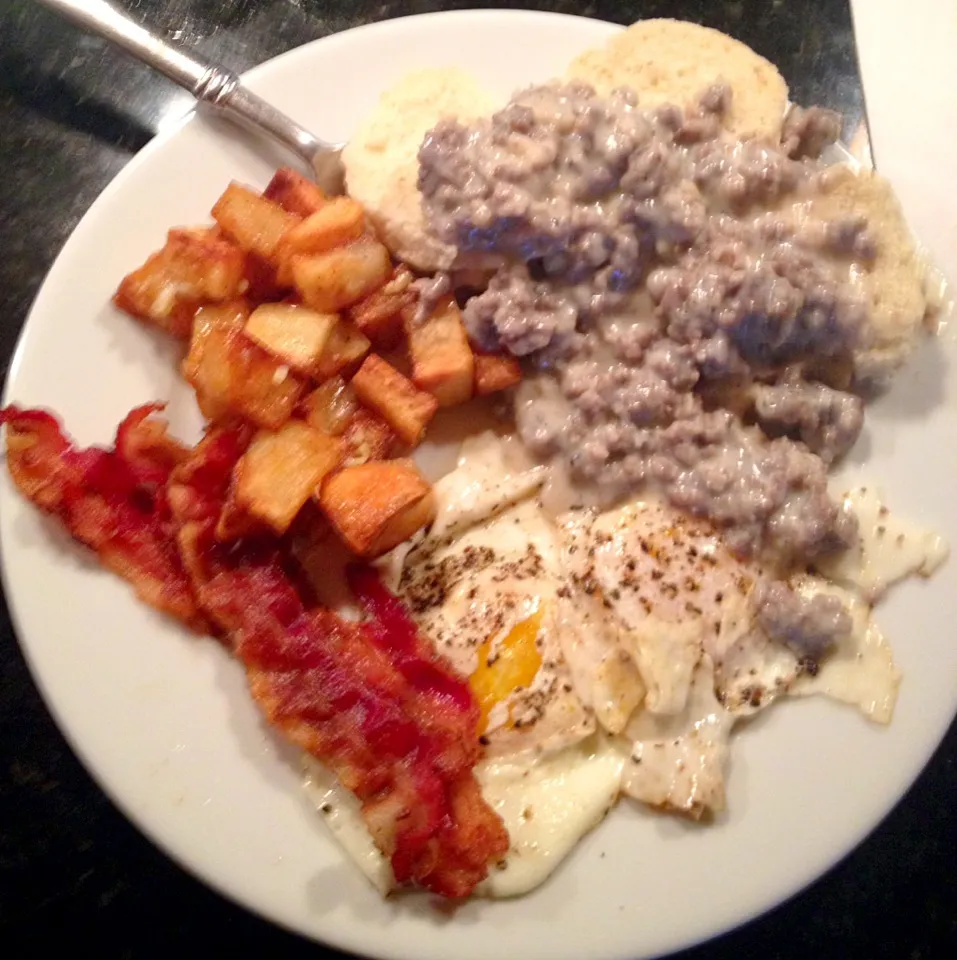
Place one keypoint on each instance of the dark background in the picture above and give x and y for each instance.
(73, 872)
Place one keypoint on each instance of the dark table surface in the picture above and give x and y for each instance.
(73, 872)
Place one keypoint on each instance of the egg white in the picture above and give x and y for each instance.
(649, 647)
(490, 563)
(860, 671)
(546, 803)
(889, 548)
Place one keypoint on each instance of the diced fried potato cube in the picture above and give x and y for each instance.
(344, 351)
(395, 398)
(338, 278)
(253, 222)
(330, 406)
(338, 222)
(195, 266)
(264, 391)
(232, 375)
(295, 335)
(207, 367)
(494, 372)
(367, 437)
(294, 193)
(334, 408)
(379, 316)
(375, 506)
(442, 360)
(280, 471)
(234, 522)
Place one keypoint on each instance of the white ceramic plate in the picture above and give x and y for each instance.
(162, 718)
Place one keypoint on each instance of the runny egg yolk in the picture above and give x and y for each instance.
(514, 664)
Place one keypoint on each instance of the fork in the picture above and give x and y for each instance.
(210, 83)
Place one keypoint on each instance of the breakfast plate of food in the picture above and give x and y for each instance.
(542, 546)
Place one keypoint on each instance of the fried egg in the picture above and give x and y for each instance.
(663, 590)
(677, 761)
(484, 585)
(546, 806)
(612, 652)
(888, 550)
(664, 644)
(860, 670)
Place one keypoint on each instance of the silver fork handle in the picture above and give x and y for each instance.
(207, 81)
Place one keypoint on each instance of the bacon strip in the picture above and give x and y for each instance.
(332, 692)
(443, 702)
(114, 501)
(371, 699)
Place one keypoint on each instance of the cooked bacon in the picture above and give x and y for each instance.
(443, 702)
(371, 699)
(322, 682)
(197, 490)
(114, 501)
(143, 443)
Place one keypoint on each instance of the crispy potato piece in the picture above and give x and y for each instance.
(375, 506)
(232, 375)
(338, 222)
(380, 315)
(280, 471)
(294, 193)
(195, 266)
(234, 522)
(494, 372)
(263, 391)
(253, 222)
(341, 277)
(442, 360)
(207, 367)
(367, 437)
(330, 406)
(395, 398)
(293, 334)
(334, 408)
(344, 351)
